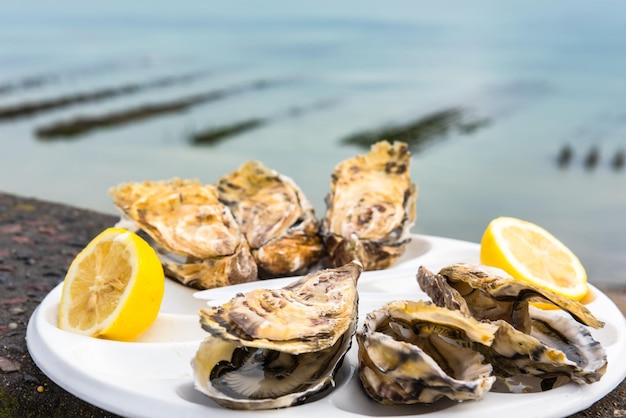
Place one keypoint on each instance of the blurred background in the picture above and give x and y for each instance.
(510, 109)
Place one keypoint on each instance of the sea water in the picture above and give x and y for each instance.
(543, 76)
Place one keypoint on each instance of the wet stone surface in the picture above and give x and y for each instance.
(38, 241)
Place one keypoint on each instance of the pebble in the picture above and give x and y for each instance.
(13, 301)
(17, 310)
(7, 365)
(40, 389)
(31, 379)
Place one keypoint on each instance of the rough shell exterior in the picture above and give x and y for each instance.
(276, 218)
(371, 207)
(273, 348)
(490, 293)
(196, 236)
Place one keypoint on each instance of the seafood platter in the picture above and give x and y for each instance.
(269, 308)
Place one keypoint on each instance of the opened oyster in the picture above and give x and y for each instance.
(370, 207)
(274, 348)
(549, 346)
(195, 235)
(490, 293)
(556, 351)
(276, 218)
(416, 352)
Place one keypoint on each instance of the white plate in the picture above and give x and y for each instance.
(152, 377)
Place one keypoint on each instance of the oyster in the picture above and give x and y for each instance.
(490, 293)
(416, 352)
(549, 346)
(370, 207)
(276, 218)
(274, 348)
(196, 236)
(557, 350)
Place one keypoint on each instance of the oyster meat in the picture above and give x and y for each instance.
(276, 218)
(371, 207)
(196, 236)
(417, 352)
(274, 348)
(550, 346)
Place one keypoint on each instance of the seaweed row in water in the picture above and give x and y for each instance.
(218, 133)
(82, 125)
(591, 158)
(416, 133)
(41, 80)
(422, 131)
(31, 108)
(213, 135)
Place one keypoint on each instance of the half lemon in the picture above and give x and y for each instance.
(114, 287)
(528, 252)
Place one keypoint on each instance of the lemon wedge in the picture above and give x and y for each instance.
(528, 252)
(113, 288)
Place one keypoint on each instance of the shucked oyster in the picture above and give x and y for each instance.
(370, 207)
(556, 351)
(196, 236)
(417, 352)
(276, 218)
(529, 341)
(277, 348)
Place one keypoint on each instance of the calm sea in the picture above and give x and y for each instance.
(542, 75)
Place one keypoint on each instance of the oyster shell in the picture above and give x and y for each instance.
(487, 292)
(549, 346)
(274, 348)
(371, 207)
(557, 350)
(416, 352)
(276, 218)
(196, 236)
